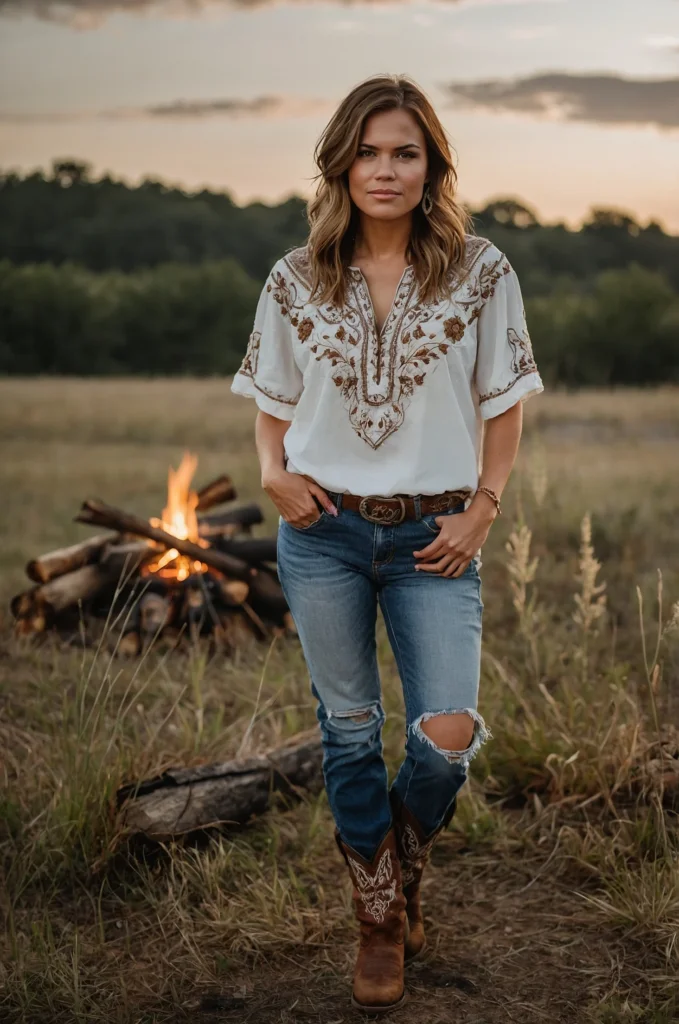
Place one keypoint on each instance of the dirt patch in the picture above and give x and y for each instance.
(497, 954)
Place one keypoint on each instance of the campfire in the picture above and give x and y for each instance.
(197, 570)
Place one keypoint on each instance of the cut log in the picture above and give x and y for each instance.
(184, 800)
(216, 493)
(220, 522)
(252, 549)
(96, 513)
(28, 625)
(233, 592)
(126, 559)
(155, 612)
(129, 645)
(65, 591)
(234, 631)
(22, 605)
(216, 533)
(61, 593)
(58, 563)
(266, 595)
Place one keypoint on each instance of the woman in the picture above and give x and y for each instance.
(389, 360)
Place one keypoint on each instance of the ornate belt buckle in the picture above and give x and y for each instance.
(383, 513)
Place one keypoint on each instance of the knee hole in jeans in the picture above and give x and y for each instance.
(446, 734)
(371, 714)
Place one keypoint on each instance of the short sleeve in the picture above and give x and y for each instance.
(506, 371)
(269, 373)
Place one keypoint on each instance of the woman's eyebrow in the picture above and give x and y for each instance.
(407, 145)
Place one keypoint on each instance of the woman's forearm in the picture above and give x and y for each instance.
(269, 435)
(501, 438)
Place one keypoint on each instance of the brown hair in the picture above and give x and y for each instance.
(437, 241)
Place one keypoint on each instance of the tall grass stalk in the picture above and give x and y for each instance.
(522, 570)
(651, 666)
(590, 602)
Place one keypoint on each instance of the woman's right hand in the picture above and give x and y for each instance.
(293, 495)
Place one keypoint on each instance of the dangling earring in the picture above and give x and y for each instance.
(427, 201)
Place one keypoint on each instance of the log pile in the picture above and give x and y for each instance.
(117, 582)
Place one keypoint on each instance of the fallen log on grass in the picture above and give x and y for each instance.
(183, 800)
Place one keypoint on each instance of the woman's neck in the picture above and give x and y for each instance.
(381, 241)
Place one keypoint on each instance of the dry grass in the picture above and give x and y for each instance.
(553, 895)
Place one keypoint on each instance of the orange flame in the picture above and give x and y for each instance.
(179, 518)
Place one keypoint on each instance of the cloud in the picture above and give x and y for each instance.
(90, 13)
(602, 99)
(261, 106)
(267, 107)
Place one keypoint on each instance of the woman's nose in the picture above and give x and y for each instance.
(385, 168)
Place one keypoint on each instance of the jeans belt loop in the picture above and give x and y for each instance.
(417, 502)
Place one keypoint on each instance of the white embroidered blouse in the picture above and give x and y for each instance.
(396, 412)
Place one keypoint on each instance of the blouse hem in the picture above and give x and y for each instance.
(523, 389)
(247, 388)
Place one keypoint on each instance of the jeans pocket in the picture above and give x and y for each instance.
(430, 519)
(473, 567)
(305, 529)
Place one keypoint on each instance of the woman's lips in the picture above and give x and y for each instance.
(385, 195)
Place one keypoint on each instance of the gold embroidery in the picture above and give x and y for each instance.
(523, 362)
(249, 369)
(249, 364)
(305, 328)
(484, 286)
(286, 295)
(454, 328)
(378, 373)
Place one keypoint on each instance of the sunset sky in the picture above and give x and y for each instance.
(564, 104)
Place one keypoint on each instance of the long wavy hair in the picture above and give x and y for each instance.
(437, 241)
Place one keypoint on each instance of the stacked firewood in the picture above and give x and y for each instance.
(106, 584)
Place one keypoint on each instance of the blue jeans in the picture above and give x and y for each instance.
(333, 574)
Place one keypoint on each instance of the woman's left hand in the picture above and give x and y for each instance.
(461, 536)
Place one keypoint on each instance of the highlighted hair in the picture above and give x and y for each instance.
(437, 241)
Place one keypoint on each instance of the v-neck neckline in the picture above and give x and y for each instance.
(379, 331)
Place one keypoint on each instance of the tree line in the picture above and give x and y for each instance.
(97, 277)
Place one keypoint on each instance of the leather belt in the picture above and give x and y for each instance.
(398, 507)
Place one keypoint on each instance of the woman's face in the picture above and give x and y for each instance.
(387, 178)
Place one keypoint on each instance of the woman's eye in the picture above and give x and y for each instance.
(369, 152)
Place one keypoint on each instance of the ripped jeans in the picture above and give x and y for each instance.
(333, 573)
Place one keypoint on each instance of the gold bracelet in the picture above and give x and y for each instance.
(491, 494)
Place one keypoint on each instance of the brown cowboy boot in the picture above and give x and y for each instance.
(380, 908)
(414, 849)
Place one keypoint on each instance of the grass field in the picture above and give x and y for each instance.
(554, 894)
